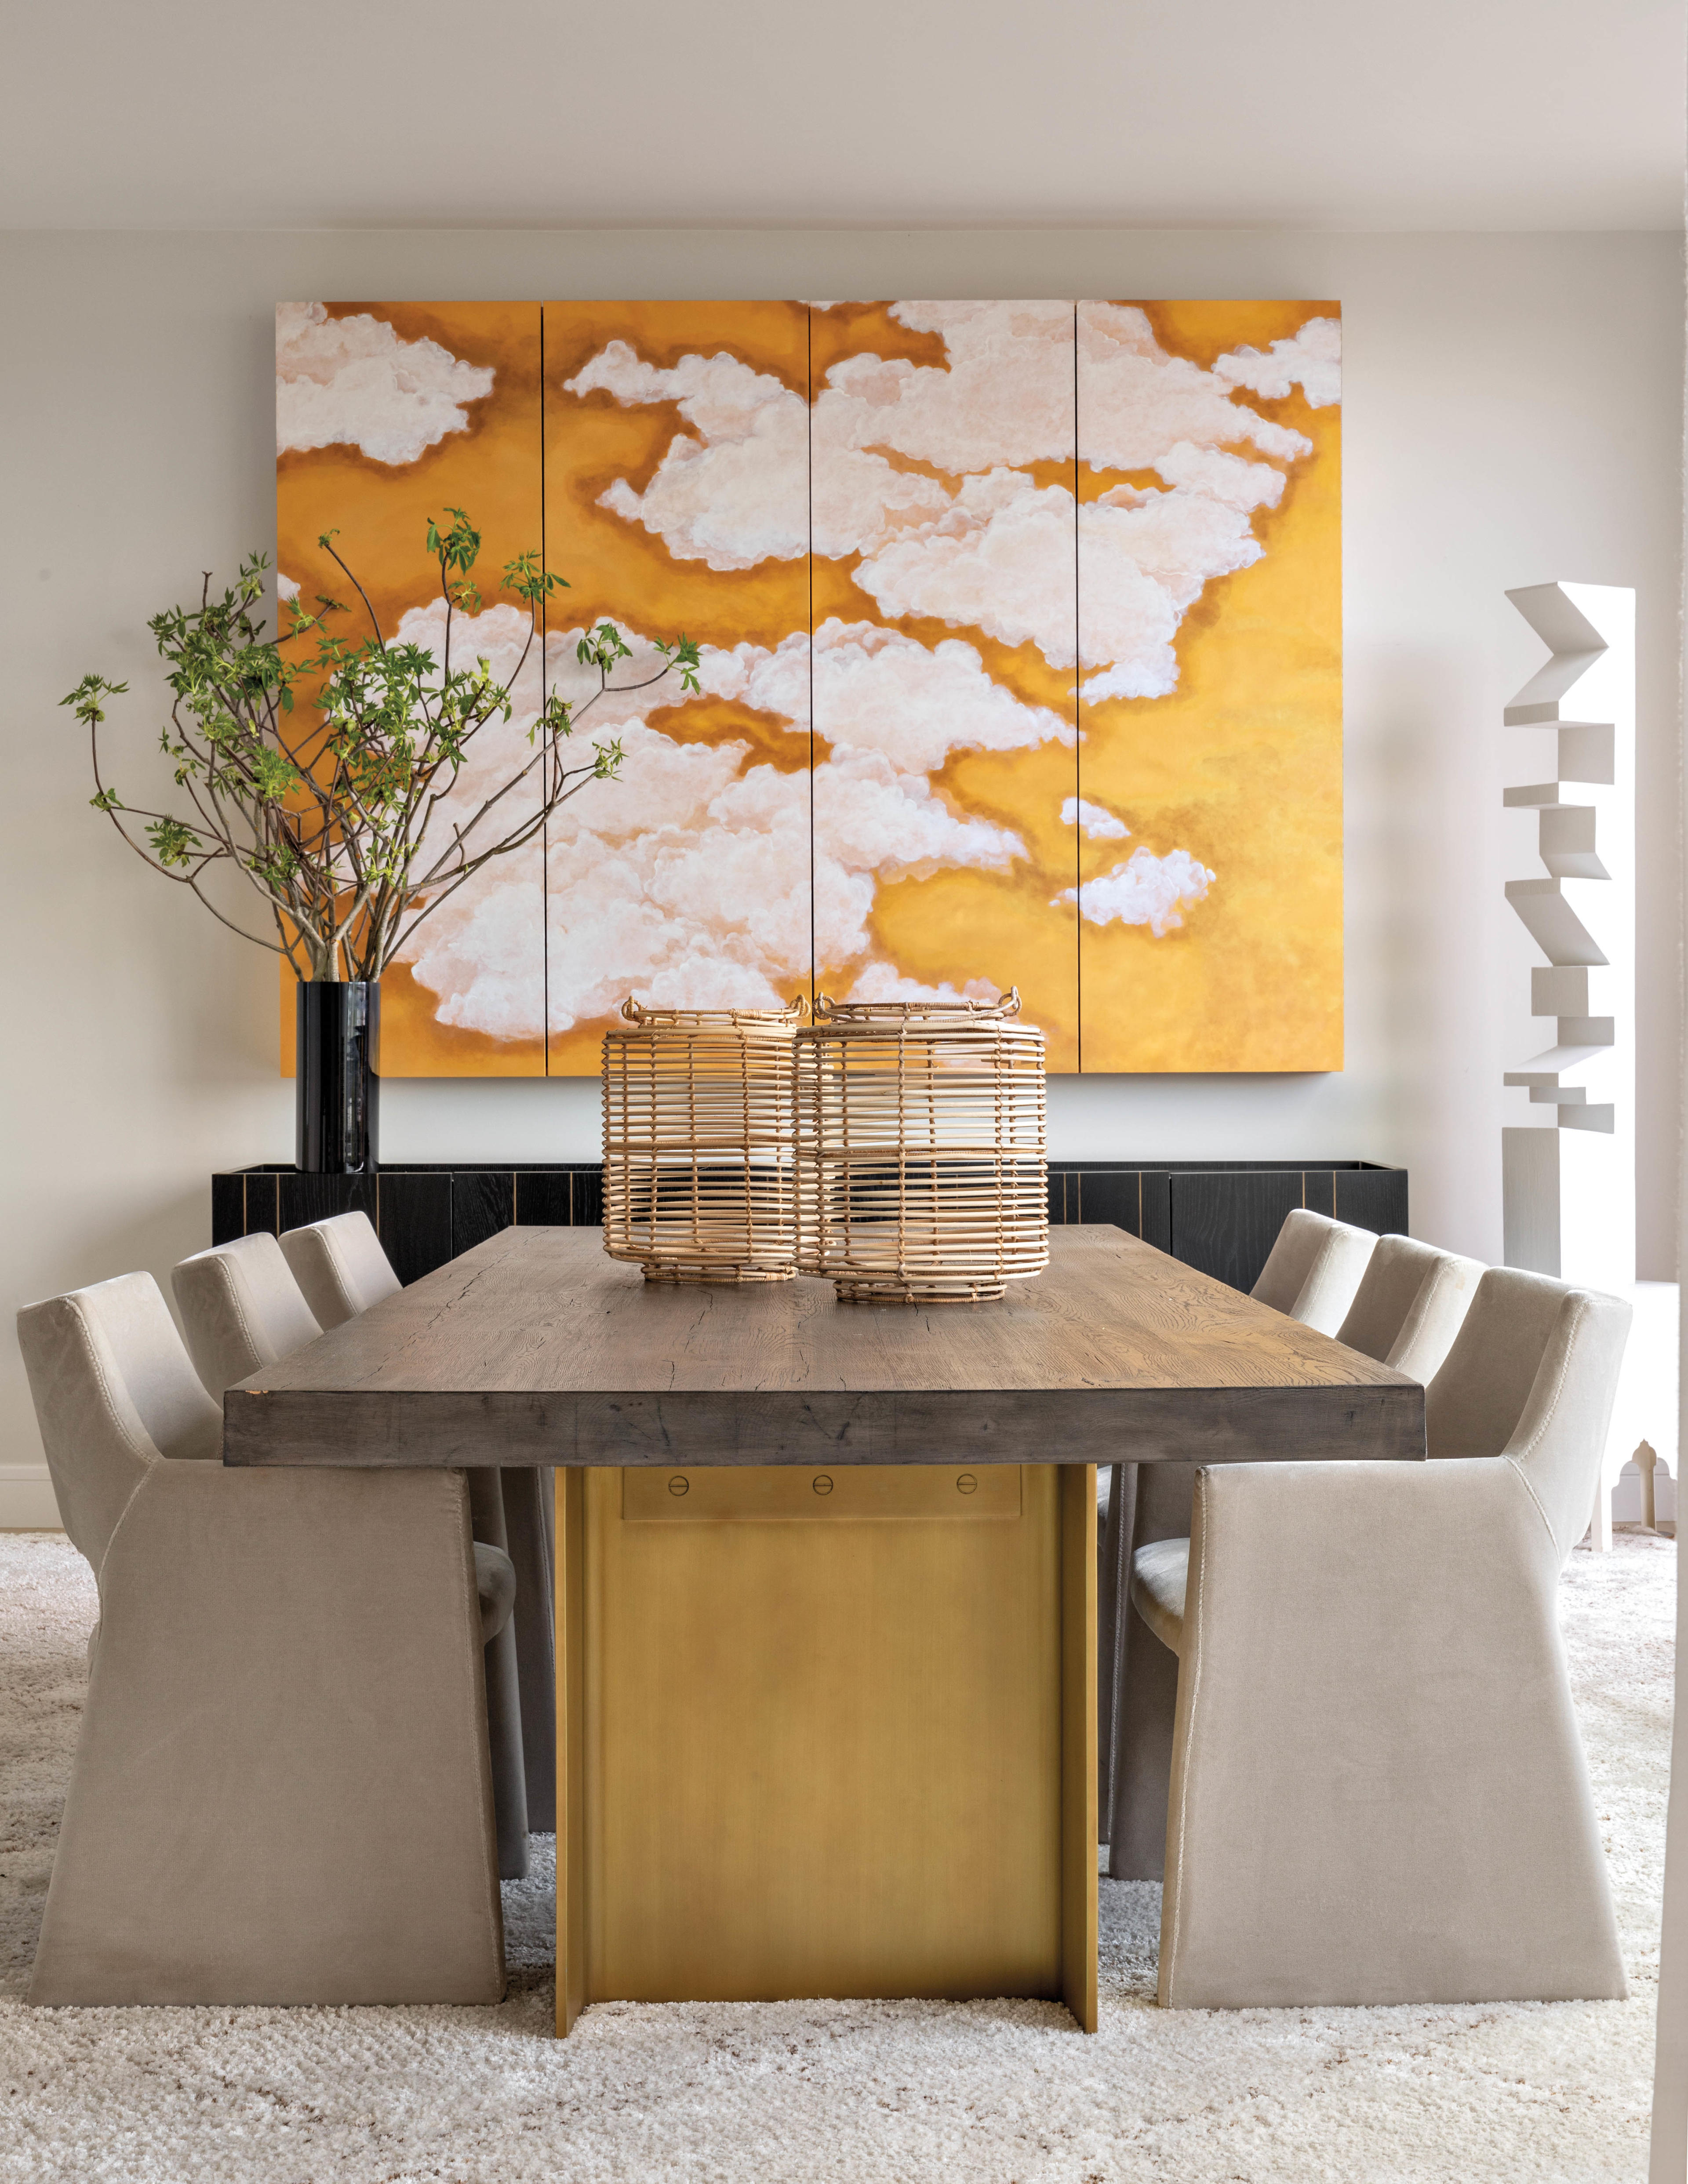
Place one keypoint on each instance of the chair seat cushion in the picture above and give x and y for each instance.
(1160, 1572)
(495, 1582)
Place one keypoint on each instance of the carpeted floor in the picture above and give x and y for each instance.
(855, 2092)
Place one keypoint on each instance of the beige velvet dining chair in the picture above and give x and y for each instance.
(1410, 1303)
(281, 1790)
(1314, 1273)
(241, 1310)
(1314, 1268)
(340, 1267)
(1378, 1791)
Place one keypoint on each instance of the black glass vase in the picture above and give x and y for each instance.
(338, 1094)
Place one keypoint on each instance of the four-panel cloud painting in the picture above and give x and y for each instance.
(1020, 629)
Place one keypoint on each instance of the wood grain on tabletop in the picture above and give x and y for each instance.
(535, 1347)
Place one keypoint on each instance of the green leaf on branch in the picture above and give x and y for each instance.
(274, 773)
(528, 581)
(684, 654)
(174, 844)
(554, 721)
(602, 647)
(87, 695)
(457, 548)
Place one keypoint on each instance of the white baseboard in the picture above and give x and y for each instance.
(26, 1502)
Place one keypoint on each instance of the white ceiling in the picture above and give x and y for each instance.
(1332, 113)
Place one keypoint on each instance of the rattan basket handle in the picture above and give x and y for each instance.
(827, 1010)
(636, 1011)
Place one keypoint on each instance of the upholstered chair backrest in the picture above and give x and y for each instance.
(1559, 1442)
(241, 1309)
(1410, 1305)
(1314, 1268)
(340, 1267)
(114, 1392)
(1533, 1375)
(1290, 1260)
(1473, 1405)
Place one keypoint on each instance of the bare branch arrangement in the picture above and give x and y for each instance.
(336, 823)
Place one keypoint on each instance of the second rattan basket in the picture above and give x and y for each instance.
(699, 1181)
(923, 1175)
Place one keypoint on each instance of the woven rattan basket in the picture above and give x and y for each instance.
(699, 1175)
(921, 1150)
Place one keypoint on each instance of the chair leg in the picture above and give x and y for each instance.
(503, 1690)
(527, 1495)
(1137, 1844)
(1111, 1550)
(503, 1725)
(1145, 1688)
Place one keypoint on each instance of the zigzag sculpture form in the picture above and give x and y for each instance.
(1569, 1178)
(1582, 916)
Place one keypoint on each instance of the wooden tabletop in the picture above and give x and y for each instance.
(535, 1348)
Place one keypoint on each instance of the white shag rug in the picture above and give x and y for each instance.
(838, 2092)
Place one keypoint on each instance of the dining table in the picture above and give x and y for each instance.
(831, 1716)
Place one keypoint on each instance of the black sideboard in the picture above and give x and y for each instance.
(1222, 1216)
(1218, 1215)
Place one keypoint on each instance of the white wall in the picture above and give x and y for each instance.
(1512, 414)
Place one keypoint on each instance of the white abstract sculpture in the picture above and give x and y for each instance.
(1569, 1175)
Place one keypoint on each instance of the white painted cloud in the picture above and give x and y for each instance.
(877, 690)
(1000, 559)
(1099, 823)
(1312, 355)
(860, 501)
(1005, 395)
(286, 586)
(1222, 478)
(736, 490)
(689, 880)
(982, 545)
(739, 488)
(1145, 558)
(712, 907)
(483, 952)
(353, 382)
(1144, 890)
(1136, 403)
